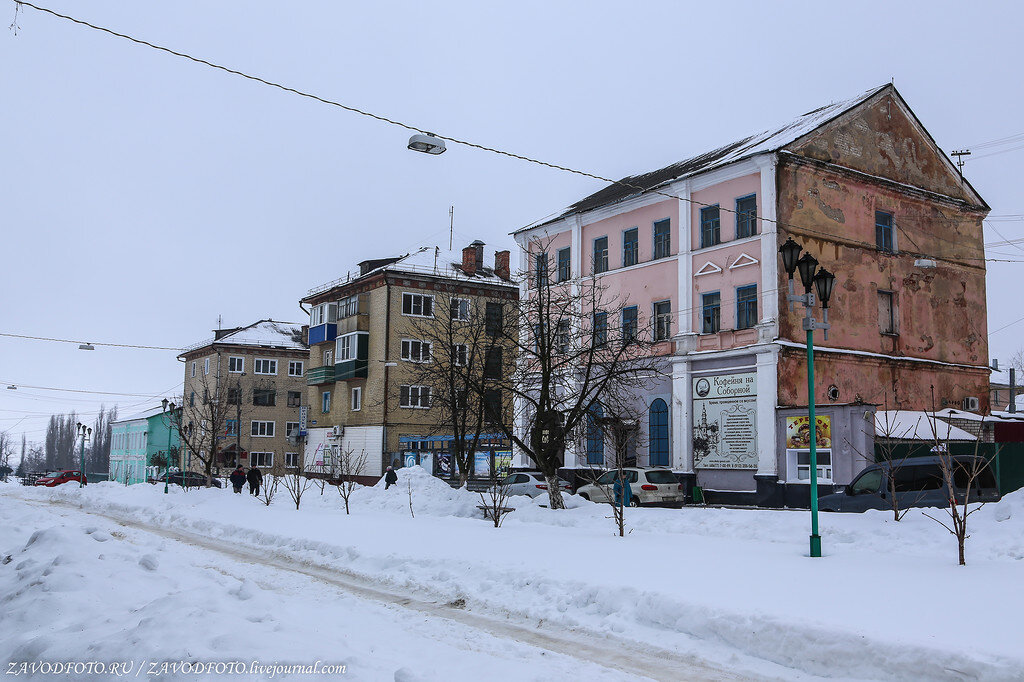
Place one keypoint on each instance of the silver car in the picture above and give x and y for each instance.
(648, 487)
(531, 483)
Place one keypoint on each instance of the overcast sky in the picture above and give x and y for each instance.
(144, 195)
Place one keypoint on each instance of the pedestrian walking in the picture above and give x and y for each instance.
(390, 478)
(255, 478)
(237, 478)
(623, 493)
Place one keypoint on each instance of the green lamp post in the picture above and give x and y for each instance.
(823, 282)
(169, 416)
(85, 433)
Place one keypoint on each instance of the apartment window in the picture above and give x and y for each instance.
(494, 318)
(328, 357)
(206, 366)
(630, 247)
(193, 369)
(629, 324)
(261, 459)
(710, 226)
(236, 365)
(325, 313)
(662, 320)
(540, 267)
(234, 396)
(711, 305)
(600, 255)
(414, 396)
(662, 239)
(600, 328)
(231, 427)
(492, 406)
(595, 436)
(886, 312)
(192, 399)
(562, 336)
(415, 351)
(746, 216)
(265, 366)
(564, 264)
(460, 309)
(325, 402)
(291, 460)
(460, 354)
(346, 347)
(357, 398)
(746, 306)
(347, 307)
(264, 397)
(492, 364)
(294, 399)
(261, 429)
(417, 305)
(883, 232)
(291, 429)
(295, 368)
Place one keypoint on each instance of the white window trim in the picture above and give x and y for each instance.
(256, 366)
(289, 425)
(302, 368)
(416, 293)
(325, 394)
(357, 398)
(456, 355)
(468, 303)
(206, 366)
(266, 465)
(408, 357)
(419, 396)
(793, 468)
(295, 457)
(253, 428)
(236, 371)
(194, 363)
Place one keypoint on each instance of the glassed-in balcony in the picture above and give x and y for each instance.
(320, 375)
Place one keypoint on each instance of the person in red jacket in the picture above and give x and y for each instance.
(238, 478)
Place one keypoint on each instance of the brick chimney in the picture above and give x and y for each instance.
(469, 260)
(501, 266)
(479, 246)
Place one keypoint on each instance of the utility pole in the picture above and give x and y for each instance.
(960, 159)
(451, 226)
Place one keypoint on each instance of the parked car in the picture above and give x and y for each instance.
(649, 487)
(55, 478)
(188, 479)
(531, 483)
(918, 482)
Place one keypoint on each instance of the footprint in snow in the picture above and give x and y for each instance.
(149, 562)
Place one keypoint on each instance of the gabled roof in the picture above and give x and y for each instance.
(145, 414)
(262, 334)
(768, 141)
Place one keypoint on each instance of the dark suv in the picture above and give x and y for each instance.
(918, 482)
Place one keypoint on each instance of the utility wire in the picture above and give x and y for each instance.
(92, 343)
(455, 140)
(78, 390)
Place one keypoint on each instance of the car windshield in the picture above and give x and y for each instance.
(54, 474)
(867, 483)
(661, 477)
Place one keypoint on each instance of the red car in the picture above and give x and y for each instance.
(57, 477)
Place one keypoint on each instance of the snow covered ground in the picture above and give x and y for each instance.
(716, 589)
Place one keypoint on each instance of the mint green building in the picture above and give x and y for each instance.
(137, 441)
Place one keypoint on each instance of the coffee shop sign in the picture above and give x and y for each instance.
(726, 386)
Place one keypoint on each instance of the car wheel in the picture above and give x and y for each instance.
(634, 501)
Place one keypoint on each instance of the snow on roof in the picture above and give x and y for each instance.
(764, 142)
(264, 334)
(916, 425)
(145, 414)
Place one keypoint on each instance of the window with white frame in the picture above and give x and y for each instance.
(460, 354)
(291, 460)
(261, 459)
(328, 357)
(798, 465)
(325, 402)
(357, 398)
(291, 429)
(460, 309)
(347, 307)
(345, 347)
(264, 366)
(236, 364)
(261, 429)
(417, 305)
(414, 350)
(193, 369)
(414, 396)
(206, 366)
(295, 368)
(325, 313)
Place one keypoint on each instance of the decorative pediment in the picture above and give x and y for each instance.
(743, 259)
(708, 268)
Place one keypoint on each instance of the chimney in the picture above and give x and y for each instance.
(501, 266)
(469, 260)
(479, 246)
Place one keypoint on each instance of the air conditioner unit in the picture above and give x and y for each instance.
(337, 431)
(972, 404)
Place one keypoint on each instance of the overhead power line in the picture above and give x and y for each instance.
(79, 390)
(93, 343)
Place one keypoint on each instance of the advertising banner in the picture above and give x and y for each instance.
(725, 421)
(798, 432)
(502, 462)
(482, 464)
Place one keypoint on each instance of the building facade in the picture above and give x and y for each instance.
(139, 443)
(693, 250)
(370, 335)
(244, 390)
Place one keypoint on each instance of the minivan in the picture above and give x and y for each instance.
(918, 483)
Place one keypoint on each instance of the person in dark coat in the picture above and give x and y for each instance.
(623, 493)
(255, 478)
(390, 478)
(238, 478)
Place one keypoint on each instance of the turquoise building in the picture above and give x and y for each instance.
(138, 441)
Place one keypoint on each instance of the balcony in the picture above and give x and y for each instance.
(320, 375)
(322, 333)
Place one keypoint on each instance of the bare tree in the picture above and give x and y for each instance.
(494, 500)
(461, 355)
(268, 489)
(296, 482)
(350, 466)
(203, 419)
(887, 450)
(6, 450)
(569, 358)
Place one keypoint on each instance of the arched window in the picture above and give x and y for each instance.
(658, 433)
(595, 436)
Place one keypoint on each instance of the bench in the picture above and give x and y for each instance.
(486, 509)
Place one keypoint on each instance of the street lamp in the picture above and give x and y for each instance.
(428, 144)
(822, 281)
(85, 433)
(167, 456)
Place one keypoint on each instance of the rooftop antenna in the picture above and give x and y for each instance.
(451, 226)
(218, 322)
(960, 159)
